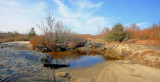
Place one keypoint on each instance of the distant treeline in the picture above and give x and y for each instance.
(132, 34)
(12, 36)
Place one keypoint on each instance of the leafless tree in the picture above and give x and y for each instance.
(134, 27)
(54, 31)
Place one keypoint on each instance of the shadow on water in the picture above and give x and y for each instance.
(76, 59)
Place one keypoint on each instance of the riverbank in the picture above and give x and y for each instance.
(19, 64)
(114, 71)
(146, 55)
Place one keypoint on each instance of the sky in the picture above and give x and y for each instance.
(82, 16)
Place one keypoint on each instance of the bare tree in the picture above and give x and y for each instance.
(54, 31)
(134, 27)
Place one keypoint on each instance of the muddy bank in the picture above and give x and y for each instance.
(145, 55)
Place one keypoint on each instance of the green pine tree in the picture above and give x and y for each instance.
(32, 32)
(116, 34)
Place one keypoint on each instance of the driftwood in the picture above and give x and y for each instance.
(55, 66)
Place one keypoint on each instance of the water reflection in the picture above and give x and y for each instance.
(76, 60)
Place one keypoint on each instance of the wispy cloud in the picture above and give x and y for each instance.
(81, 21)
(19, 15)
(141, 25)
(86, 5)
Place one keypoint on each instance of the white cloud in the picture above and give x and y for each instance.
(141, 25)
(86, 4)
(20, 15)
(81, 21)
(128, 24)
(10, 2)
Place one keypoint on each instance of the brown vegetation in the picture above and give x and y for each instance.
(12, 36)
(56, 37)
(148, 36)
(132, 35)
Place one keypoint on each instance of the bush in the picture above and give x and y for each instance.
(70, 42)
(152, 33)
(32, 32)
(55, 35)
(116, 34)
(148, 36)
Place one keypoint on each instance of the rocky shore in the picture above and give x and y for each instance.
(23, 66)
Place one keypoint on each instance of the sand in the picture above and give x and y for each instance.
(115, 71)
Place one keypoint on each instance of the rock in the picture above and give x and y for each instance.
(94, 46)
(1, 78)
(44, 49)
(1, 65)
(105, 48)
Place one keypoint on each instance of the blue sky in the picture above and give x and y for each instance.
(82, 16)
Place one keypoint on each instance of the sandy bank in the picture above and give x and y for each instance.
(145, 55)
(115, 71)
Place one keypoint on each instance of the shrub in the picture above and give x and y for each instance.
(152, 33)
(32, 32)
(55, 35)
(116, 34)
(39, 42)
(148, 36)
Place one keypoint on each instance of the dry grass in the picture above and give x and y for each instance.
(14, 38)
(148, 42)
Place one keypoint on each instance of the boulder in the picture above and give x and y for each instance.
(44, 49)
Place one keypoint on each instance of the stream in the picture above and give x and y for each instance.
(76, 60)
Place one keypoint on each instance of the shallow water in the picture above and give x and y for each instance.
(76, 60)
